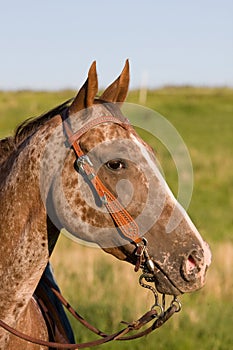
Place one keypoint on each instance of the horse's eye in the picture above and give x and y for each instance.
(116, 164)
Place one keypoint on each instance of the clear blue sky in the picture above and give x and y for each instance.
(49, 44)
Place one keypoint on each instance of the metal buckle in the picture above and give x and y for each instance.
(142, 250)
(80, 161)
(104, 199)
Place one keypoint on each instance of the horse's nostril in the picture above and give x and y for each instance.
(191, 266)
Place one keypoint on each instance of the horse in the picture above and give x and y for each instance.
(62, 170)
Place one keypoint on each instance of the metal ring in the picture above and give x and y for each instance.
(161, 309)
(177, 303)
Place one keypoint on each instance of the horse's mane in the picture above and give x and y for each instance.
(7, 146)
(31, 125)
(26, 129)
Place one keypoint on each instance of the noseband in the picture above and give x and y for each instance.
(121, 217)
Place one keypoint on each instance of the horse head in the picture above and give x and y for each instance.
(126, 166)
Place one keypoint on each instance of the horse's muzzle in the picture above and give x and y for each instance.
(186, 275)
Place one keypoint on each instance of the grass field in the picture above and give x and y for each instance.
(106, 291)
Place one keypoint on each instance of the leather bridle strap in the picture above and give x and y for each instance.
(123, 220)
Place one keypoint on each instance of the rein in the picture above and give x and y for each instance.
(130, 230)
(121, 335)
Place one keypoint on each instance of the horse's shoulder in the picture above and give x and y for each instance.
(31, 323)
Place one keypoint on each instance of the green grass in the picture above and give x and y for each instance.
(17, 106)
(105, 290)
(204, 119)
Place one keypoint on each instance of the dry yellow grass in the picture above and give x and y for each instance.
(97, 274)
(220, 278)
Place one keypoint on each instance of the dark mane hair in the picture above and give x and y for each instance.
(26, 129)
(31, 125)
(7, 146)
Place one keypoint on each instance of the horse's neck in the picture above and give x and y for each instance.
(23, 232)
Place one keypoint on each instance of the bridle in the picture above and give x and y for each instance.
(121, 217)
(129, 229)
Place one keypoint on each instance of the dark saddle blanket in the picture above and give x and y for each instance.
(59, 328)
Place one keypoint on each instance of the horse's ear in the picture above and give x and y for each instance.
(117, 91)
(86, 95)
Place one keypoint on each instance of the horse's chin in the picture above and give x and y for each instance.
(164, 285)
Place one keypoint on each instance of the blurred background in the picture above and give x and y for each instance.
(50, 44)
(181, 56)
